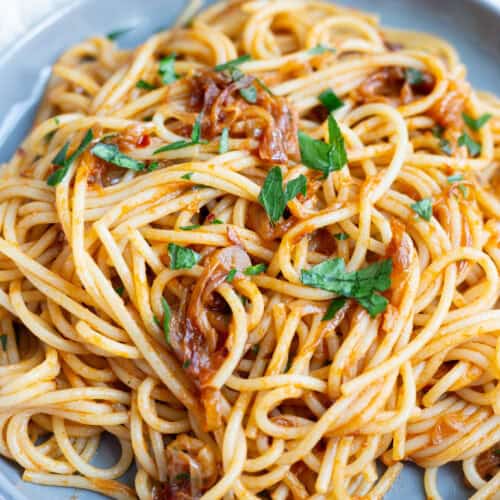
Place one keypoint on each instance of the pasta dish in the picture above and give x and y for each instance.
(261, 253)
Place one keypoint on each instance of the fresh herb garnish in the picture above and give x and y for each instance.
(362, 285)
(196, 132)
(264, 86)
(253, 270)
(423, 208)
(233, 63)
(445, 146)
(414, 76)
(476, 123)
(186, 364)
(330, 100)
(455, 178)
(341, 236)
(114, 35)
(497, 452)
(119, 290)
(217, 221)
(65, 163)
(255, 349)
(437, 131)
(321, 156)
(111, 154)
(166, 69)
(320, 49)
(182, 257)
(335, 306)
(464, 190)
(195, 138)
(472, 146)
(167, 317)
(230, 275)
(190, 228)
(272, 196)
(183, 476)
(249, 94)
(143, 84)
(3, 340)
(224, 141)
(152, 166)
(187, 176)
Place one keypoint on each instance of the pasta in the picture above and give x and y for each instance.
(261, 251)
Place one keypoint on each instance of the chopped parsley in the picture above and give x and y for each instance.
(143, 84)
(335, 306)
(464, 190)
(253, 270)
(249, 94)
(190, 228)
(3, 340)
(217, 221)
(114, 35)
(187, 176)
(167, 317)
(224, 141)
(320, 49)
(330, 100)
(264, 86)
(182, 257)
(472, 146)
(183, 476)
(233, 63)
(111, 154)
(195, 138)
(152, 166)
(341, 236)
(455, 178)
(119, 290)
(423, 208)
(414, 76)
(186, 364)
(255, 349)
(362, 285)
(65, 163)
(274, 198)
(166, 69)
(230, 275)
(321, 156)
(476, 123)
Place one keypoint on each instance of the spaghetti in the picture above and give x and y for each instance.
(262, 252)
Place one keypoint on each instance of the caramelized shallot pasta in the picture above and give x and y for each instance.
(262, 252)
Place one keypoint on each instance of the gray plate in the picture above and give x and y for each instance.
(471, 25)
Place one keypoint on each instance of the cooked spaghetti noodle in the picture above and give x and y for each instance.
(262, 251)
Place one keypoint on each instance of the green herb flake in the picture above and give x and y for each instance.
(455, 178)
(152, 166)
(437, 131)
(414, 76)
(224, 141)
(445, 146)
(255, 349)
(320, 49)
(497, 452)
(362, 285)
(249, 94)
(187, 176)
(182, 257)
(173, 146)
(196, 133)
(230, 275)
(186, 364)
(167, 317)
(253, 270)
(264, 87)
(335, 306)
(274, 198)
(65, 163)
(190, 228)
(464, 190)
(330, 100)
(233, 63)
(183, 476)
(321, 156)
(119, 290)
(423, 208)
(3, 340)
(166, 69)
(341, 236)
(217, 221)
(143, 84)
(57, 121)
(476, 123)
(114, 35)
(472, 146)
(111, 154)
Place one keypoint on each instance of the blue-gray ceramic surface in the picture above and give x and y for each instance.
(470, 25)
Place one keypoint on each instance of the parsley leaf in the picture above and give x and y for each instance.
(272, 196)
(183, 476)
(3, 340)
(114, 35)
(166, 69)
(195, 139)
(119, 290)
(167, 317)
(224, 141)
(182, 257)
(143, 84)
(111, 154)
(320, 49)
(233, 63)
(196, 133)
(455, 178)
(152, 166)
(187, 176)
(230, 275)
(423, 208)
(330, 100)
(464, 190)
(217, 221)
(445, 146)
(321, 156)
(335, 306)
(264, 86)
(186, 364)
(249, 94)
(341, 236)
(472, 146)
(190, 228)
(362, 285)
(65, 163)
(253, 270)
(476, 123)
(414, 76)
